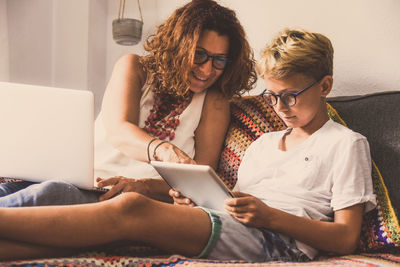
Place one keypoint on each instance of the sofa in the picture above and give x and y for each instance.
(376, 116)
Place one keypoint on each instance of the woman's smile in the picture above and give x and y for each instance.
(199, 77)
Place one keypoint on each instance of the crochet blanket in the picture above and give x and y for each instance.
(176, 260)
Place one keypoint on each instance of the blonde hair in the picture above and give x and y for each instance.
(297, 51)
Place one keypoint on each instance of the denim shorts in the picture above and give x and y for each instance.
(232, 240)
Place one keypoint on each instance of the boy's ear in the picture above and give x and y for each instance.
(326, 85)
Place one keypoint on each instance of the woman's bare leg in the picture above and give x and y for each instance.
(130, 216)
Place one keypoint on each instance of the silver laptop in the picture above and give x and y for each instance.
(46, 133)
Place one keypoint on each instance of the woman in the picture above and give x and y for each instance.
(178, 92)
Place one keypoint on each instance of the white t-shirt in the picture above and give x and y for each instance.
(329, 171)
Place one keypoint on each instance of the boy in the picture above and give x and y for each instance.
(299, 191)
(317, 172)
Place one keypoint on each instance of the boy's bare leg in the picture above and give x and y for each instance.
(11, 250)
(130, 216)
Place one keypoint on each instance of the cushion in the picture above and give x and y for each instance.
(380, 230)
(377, 117)
(251, 116)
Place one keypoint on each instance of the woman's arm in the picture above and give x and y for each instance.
(210, 133)
(121, 108)
(340, 236)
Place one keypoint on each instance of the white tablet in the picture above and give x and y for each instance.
(200, 183)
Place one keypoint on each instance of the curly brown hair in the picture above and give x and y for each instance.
(171, 49)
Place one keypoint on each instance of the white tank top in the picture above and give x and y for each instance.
(109, 162)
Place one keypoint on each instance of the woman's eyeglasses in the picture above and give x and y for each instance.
(289, 99)
(218, 62)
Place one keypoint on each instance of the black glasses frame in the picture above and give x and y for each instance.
(213, 58)
(281, 96)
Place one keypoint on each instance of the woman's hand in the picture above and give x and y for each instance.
(248, 209)
(120, 185)
(179, 199)
(171, 153)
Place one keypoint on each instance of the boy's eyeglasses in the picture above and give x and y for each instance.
(201, 56)
(289, 99)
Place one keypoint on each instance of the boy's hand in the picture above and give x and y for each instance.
(247, 209)
(179, 199)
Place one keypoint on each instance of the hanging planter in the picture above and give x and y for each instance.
(127, 31)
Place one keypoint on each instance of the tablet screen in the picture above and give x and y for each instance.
(200, 183)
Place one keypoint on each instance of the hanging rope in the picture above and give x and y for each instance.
(122, 7)
(140, 10)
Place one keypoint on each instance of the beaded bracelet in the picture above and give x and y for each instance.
(159, 144)
(148, 147)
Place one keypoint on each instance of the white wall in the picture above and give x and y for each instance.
(364, 33)
(54, 43)
(4, 61)
(29, 38)
(68, 43)
(97, 49)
